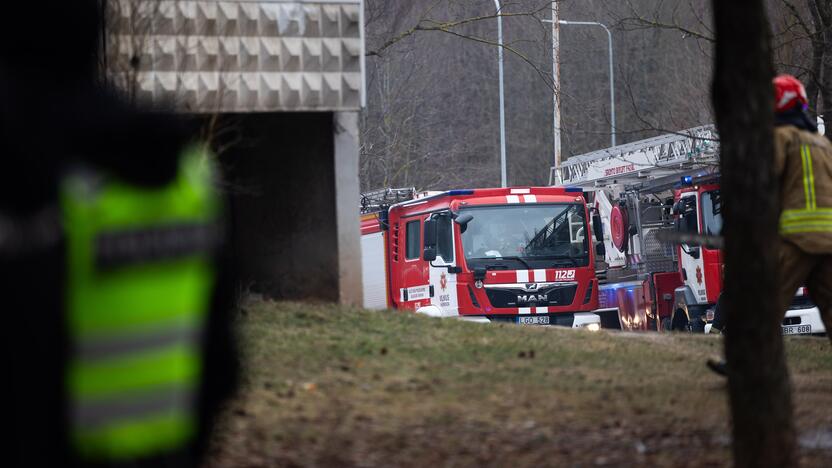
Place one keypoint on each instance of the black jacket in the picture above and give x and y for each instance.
(54, 114)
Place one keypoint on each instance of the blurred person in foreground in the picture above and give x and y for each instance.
(117, 345)
(803, 167)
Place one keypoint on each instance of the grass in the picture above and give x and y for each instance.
(332, 386)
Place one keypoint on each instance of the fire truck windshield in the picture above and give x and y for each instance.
(526, 236)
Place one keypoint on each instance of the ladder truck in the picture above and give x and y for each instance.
(641, 191)
(522, 255)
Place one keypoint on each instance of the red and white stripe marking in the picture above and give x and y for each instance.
(515, 199)
(531, 276)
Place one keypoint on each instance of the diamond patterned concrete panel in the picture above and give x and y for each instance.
(312, 55)
(207, 16)
(312, 88)
(269, 54)
(241, 56)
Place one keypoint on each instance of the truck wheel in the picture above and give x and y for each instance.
(680, 322)
(666, 325)
(696, 325)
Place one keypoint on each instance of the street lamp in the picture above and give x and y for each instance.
(612, 75)
(503, 178)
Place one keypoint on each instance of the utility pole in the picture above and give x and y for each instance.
(556, 85)
(556, 82)
(503, 175)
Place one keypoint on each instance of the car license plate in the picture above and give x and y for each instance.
(797, 329)
(533, 320)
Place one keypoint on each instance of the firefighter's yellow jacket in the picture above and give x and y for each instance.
(803, 166)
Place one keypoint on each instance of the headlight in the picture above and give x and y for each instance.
(593, 326)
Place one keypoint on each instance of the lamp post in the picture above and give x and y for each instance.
(612, 75)
(503, 177)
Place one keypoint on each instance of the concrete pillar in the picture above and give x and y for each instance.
(280, 169)
(347, 193)
(293, 181)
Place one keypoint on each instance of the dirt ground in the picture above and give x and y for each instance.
(331, 386)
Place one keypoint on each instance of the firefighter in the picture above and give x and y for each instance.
(803, 167)
(117, 349)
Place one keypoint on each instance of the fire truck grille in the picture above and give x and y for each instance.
(553, 296)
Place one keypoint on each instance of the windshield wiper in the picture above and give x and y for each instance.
(519, 259)
(572, 259)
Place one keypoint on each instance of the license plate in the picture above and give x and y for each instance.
(797, 329)
(533, 320)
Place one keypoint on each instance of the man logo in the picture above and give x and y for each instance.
(531, 286)
(532, 298)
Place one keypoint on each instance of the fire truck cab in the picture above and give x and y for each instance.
(645, 188)
(522, 255)
(697, 209)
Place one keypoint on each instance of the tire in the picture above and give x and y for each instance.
(696, 325)
(666, 325)
(680, 322)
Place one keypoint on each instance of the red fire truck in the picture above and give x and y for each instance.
(522, 255)
(646, 188)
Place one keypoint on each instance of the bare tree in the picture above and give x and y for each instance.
(432, 101)
(759, 389)
(801, 43)
(445, 49)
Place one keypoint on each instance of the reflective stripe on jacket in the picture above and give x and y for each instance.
(140, 274)
(803, 165)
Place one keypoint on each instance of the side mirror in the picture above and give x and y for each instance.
(463, 221)
(384, 220)
(676, 208)
(479, 273)
(694, 252)
(598, 228)
(431, 239)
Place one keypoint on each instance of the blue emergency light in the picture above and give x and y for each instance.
(460, 192)
(687, 180)
(574, 190)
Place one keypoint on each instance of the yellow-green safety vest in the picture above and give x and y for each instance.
(811, 218)
(140, 276)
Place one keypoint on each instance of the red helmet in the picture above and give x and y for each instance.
(788, 92)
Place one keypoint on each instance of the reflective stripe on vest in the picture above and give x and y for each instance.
(139, 282)
(808, 177)
(812, 218)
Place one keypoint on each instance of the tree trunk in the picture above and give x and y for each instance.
(759, 390)
(823, 9)
(815, 82)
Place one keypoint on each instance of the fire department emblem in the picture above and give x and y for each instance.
(443, 281)
(699, 274)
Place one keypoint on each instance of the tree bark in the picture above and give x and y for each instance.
(814, 84)
(759, 389)
(824, 12)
